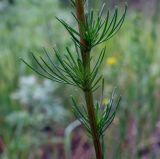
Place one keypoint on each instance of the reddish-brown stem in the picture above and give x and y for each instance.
(85, 54)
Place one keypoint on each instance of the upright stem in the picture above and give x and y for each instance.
(85, 54)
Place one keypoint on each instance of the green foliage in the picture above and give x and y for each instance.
(72, 71)
(105, 114)
(69, 71)
(97, 29)
(135, 70)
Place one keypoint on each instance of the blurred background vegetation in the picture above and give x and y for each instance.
(36, 119)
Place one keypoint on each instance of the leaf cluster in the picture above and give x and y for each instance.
(69, 70)
(96, 29)
(105, 114)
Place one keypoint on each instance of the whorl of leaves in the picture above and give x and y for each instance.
(97, 29)
(105, 114)
(69, 71)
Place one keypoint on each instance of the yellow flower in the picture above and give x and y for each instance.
(105, 101)
(111, 61)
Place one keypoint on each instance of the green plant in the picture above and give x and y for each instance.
(81, 71)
